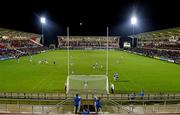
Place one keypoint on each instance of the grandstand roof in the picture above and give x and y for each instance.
(159, 34)
(13, 34)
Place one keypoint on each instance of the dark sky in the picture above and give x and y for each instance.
(95, 15)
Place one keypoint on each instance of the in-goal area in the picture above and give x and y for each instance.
(95, 81)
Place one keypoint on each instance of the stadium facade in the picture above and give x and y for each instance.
(162, 39)
(161, 44)
(17, 43)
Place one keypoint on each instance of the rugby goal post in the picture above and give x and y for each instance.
(87, 83)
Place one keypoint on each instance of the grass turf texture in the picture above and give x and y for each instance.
(136, 72)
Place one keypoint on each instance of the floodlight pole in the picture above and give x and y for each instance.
(107, 48)
(133, 34)
(42, 33)
(133, 22)
(133, 29)
(68, 48)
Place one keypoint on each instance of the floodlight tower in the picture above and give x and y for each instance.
(133, 23)
(43, 21)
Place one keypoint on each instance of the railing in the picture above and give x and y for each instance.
(128, 109)
(63, 96)
(60, 105)
(53, 109)
(108, 105)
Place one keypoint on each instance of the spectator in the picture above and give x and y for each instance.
(77, 101)
(85, 112)
(133, 96)
(142, 94)
(97, 104)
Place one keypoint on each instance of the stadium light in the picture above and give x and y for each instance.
(133, 22)
(43, 21)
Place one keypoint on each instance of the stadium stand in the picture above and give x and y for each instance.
(97, 42)
(162, 44)
(16, 43)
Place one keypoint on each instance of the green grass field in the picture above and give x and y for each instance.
(136, 72)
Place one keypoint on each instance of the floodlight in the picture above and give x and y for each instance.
(133, 20)
(43, 20)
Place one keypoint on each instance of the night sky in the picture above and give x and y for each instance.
(95, 16)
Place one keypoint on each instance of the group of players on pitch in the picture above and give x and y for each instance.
(97, 66)
(43, 61)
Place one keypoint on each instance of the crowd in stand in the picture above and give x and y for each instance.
(169, 47)
(161, 47)
(14, 48)
(161, 53)
(5, 53)
(94, 42)
(17, 43)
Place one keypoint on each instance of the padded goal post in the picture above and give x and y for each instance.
(87, 84)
